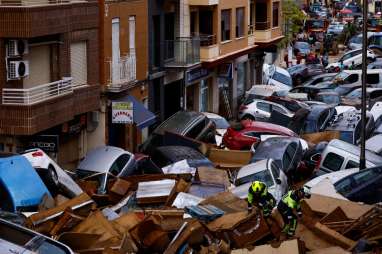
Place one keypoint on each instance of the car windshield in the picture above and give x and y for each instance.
(376, 40)
(264, 176)
(282, 78)
(356, 94)
(341, 76)
(221, 123)
(356, 39)
(302, 45)
(329, 98)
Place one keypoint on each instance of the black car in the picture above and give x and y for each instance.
(302, 72)
(190, 124)
(363, 186)
(286, 151)
(167, 155)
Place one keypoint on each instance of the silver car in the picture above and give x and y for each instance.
(260, 110)
(105, 161)
(266, 171)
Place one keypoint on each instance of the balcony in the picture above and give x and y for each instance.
(209, 49)
(182, 52)
(37, 94)
(121, 73)
(264, 33)
(33, 18)
(203, 2)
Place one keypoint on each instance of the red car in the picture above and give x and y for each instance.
(247, 132)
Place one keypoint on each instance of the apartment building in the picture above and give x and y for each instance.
(123, 73)
(204, 54)
(49, 76)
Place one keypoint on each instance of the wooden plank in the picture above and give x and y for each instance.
(333, 236)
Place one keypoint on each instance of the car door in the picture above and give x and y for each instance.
(263, 111)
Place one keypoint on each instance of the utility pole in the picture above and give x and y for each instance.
(362, 159)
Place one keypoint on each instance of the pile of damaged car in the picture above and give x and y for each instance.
(283, 176)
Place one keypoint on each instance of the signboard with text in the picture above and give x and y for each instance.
(47, 143)
(122, 112)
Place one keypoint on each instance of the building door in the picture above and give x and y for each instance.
(173, 97)
(115, 50)
(39, 66)
(204, 100)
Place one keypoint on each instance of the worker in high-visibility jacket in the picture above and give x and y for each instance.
(258, 195)
(289, 205)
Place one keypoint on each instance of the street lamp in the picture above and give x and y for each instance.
(362, 159)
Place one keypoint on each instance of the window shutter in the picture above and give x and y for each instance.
(78, 63)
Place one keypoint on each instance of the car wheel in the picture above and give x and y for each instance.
(248, 117)
(51, 180)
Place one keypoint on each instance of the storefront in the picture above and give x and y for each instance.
(199, 92)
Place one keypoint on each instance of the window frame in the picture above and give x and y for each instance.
(239, 30)
(225, 33)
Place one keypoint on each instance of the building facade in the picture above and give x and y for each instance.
(123, 71)
(204, 54)
(49, 76)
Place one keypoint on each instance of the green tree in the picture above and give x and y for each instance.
(293, 18)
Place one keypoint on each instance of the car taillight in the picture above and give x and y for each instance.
(318, 162)
(37, 154)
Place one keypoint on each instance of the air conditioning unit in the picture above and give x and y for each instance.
(17, 69)
(17, 48)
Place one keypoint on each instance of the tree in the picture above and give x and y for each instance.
(293, 18)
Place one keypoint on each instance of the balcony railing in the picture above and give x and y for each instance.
(39, 2)
(182, 52)
(207, 40)
(263, 25)
(37, 94)
(122, 72)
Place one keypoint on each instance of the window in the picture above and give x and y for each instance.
(375, 94)
(252, 134)
(196, 130)
(344, 186)
(241, 78)
(225, 25)
(264, 106)
(351, 164)
(351, 79)
(264, 176)
(275, 171)
(239, 22)
(282, 78)
(276, 14)
(333, 162)
(372, 79)
(279, 109)
(119, 164)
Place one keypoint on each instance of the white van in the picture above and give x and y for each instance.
(354, 77)
(277, 76)
(351, 57)
(340, 155)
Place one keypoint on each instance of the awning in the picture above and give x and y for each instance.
(142, 117)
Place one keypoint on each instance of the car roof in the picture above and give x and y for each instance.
(333, 176)
(275, 144)
(265, 126)
(101, 158)
(355, 150)
(212, 115)
(374, 143)
(179, 122)
(252, 168)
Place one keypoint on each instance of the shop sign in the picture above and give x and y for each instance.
(122, 112)
(47, 143)
(196, 74)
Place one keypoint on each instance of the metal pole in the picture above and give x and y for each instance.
(362, 159)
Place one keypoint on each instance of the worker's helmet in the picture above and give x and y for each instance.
(257, 187)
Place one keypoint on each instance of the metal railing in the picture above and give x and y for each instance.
(37, 94)
(40, 2)
(263, 25)
(207, 39)
(124, 71)
(251, 29)
(182, 51)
